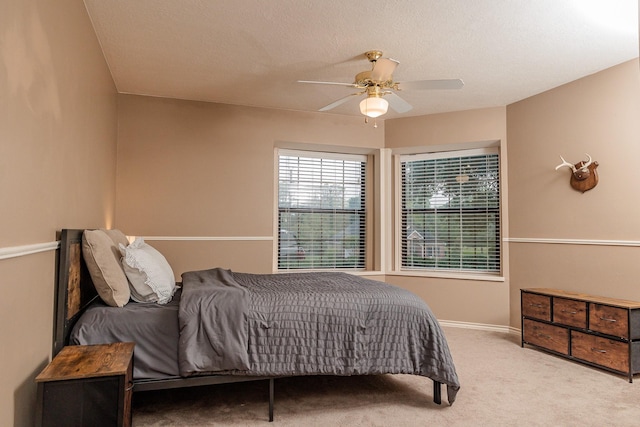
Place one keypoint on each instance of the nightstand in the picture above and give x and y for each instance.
(87, 385)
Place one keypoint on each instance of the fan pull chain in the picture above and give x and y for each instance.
(375, 123)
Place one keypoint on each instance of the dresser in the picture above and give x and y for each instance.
(87, 385)
(598, 331)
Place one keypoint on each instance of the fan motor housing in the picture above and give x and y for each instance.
(363, 80)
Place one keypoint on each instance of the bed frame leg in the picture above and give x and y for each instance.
(271, 381)
(437, 395)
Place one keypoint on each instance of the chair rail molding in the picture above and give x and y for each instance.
(18, 251)
(572, 241)
(211, 238)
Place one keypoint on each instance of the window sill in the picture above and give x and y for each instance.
(319, 270)
(442, 275)
(405, 273)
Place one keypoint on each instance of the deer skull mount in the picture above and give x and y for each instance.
(584, 175)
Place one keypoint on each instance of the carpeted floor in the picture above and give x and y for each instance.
(502, 384)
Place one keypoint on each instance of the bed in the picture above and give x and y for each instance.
(223, 326)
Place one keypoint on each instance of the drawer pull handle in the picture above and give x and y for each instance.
(608, 320)
(545, 336)
(598, 350)
(535, 305)
(569, 312)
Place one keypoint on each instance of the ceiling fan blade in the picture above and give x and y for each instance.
(383, 69)
(339, 102)
(327, 83)
(446, 84)
(398, 104)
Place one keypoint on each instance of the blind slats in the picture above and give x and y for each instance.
(321, 218)
(451, 213)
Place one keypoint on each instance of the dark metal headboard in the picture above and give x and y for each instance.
(74, 288)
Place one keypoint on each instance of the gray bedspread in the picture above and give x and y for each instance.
(153, 327)
(212, 318)
(308, 324)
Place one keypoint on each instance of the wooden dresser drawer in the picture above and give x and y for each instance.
(602, 351)
(536, 306)
(597, 330)
(548, 336)
(570, 312)
(609, 320)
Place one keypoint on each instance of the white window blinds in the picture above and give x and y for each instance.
(321, 210)
(450, 211)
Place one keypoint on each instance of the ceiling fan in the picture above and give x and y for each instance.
(379, 87)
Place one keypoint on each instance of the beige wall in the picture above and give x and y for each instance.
(203, 170)
(599, 115)
(473, 301)
(57, 169)
(195, 169)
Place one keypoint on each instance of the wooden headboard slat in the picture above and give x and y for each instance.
(74, 288)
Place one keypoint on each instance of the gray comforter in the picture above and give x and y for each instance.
(307, 324)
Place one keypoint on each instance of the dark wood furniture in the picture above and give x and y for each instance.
(598, 331)
(87, 385)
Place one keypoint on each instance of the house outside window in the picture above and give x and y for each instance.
(321, 210)
(450, 211)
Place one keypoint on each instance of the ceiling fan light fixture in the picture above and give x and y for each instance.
(373, 106)
(378, 81)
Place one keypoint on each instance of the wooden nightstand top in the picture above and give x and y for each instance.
(88, 361)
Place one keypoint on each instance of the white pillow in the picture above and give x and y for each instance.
(150, 275)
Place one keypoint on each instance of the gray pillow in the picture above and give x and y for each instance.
(118, 238)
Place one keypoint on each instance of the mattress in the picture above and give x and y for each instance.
(153, 327)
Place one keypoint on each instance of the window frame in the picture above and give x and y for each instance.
(464, 150)
(321, 153)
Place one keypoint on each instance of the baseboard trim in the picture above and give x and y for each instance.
(479, 326)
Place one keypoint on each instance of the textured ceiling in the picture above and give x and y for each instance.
(253, 52)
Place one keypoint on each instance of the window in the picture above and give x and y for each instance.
(450, 211)
(321, 210)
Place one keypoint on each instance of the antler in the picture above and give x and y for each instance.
(565, 163)
(586, 165)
